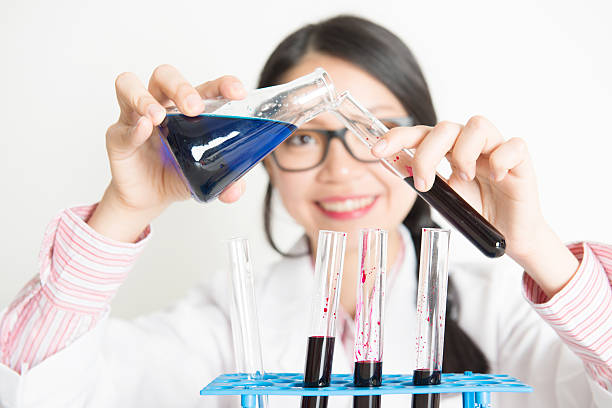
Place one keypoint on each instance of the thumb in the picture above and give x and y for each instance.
(124, 140)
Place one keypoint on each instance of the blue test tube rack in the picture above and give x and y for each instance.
(476, 388)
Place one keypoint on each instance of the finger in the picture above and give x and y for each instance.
(124, 139)
(167, 83)
(233, 192)
(431, 151)
(463, 187)
(478, 137)
(400, 138)
(227, 86)
(135, 101)
(511, 156)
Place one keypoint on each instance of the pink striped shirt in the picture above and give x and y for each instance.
(81, 270)
(79, 273)
(582, 311)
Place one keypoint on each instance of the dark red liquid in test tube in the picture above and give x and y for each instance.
(367, 374)
(324, 306)
(426, 377)
(462, 216)
(369, 310)
(319, 358)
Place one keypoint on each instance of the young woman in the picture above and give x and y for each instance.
(59, 348)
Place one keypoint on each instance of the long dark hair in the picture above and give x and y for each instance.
(383, 55)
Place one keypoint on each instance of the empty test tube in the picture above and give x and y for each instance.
(244, 319)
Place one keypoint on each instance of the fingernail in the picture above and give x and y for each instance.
(237, 89)
(156, 113)
(419, 183)
(464, 176)
(492, 176)
(380, 146)
(193, 102)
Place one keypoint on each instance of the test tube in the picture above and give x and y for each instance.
(244, 319)
(431, 313)
(441, 196)
(369, 313)
(326, 295)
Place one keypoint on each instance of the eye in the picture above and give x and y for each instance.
(301, 139)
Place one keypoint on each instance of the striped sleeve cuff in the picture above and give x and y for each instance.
(581, 313)
(79, 273)
(81, 269)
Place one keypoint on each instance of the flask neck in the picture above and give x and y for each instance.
(295, 102)
(298, 101)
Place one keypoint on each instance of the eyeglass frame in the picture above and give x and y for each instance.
(340, 134)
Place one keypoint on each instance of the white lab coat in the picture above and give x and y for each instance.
(164, 359)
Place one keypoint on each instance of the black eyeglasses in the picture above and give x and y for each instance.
(306, 149)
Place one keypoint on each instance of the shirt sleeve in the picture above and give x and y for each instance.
(581, 313)
(79, 273)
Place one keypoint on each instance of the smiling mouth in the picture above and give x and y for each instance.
(344, 208)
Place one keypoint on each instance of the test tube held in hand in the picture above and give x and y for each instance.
(244, 319)
(441, 196)
(369, 314)
(431, 313)
(325, 298)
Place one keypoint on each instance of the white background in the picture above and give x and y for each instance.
(540, 70)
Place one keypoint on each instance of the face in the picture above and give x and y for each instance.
(343, 194)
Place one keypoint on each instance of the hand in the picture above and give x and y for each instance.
(142, 184)
(496, 177)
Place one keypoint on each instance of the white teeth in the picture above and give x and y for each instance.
(347, 205)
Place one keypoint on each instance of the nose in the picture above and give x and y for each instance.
(339, 165)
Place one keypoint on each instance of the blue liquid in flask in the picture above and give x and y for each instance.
(213, 151)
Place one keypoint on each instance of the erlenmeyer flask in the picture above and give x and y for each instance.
(217, 147)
